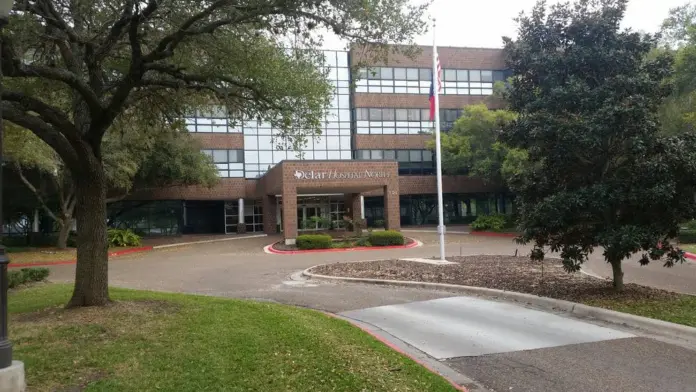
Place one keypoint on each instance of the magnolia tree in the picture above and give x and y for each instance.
(599, 172)
(75, 67)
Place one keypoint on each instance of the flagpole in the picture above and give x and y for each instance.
(438, 152)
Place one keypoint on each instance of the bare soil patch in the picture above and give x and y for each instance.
(519, 274)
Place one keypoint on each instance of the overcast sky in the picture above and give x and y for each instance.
(482, 23)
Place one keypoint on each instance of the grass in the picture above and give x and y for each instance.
(150, 341)
(681, 309)
(691, 248)
(30, 255)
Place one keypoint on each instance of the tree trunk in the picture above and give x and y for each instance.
(91, 274)
(63, 232)
(618, 275)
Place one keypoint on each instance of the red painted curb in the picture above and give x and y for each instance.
(398, 350)
(690, 256)
(294, 252)
(66, 262)
(493, 234)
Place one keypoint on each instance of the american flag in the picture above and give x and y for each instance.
(432, 88)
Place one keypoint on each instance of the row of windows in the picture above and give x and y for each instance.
(230, 163)
(392, 114)
(425, 74)
(411, 162)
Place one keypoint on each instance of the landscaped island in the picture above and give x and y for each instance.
(346, 241)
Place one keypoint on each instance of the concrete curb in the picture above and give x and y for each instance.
(579, 310)
(270, 250)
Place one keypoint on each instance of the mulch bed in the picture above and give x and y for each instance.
(281, 245)
(518, 274)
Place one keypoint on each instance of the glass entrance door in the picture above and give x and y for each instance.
(313, 217)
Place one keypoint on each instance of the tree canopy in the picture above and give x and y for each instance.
(473, 145)
(74, 68)
(599, 174)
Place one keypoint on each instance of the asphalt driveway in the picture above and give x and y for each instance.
(503, 347)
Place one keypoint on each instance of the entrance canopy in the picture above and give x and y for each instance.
(291, 178)
(346, 176)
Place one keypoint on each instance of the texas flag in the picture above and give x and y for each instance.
(432, 88)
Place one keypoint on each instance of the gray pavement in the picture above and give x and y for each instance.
(466, 326)
(502, 346)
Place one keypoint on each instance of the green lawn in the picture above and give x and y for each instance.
(151, 341)
(691, 248)
(681, 309)
(28, 255)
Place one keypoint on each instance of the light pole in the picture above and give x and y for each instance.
(5, 345)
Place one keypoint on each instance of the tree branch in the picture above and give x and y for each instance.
(48, 113)
(32, 188)
(44, 131)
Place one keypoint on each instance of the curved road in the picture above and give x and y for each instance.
(504, 347)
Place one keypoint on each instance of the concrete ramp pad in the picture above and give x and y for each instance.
(467, 326)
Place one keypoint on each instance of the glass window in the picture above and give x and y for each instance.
(373, 73)
(414, 114)
(451, 75)
(363, 154)
(220, 156)
(412, 74)
(402, 155)
(415, 156)
(236, 155)
(425, 114)
(400, 73)
(402, 114)
(475, 76)
(462, 75)
(487, 76)
(390, 154)
(377, 154)
(498, 76)
(363, 114)
(387, 73)
(388, 114)
(375, 114)
(425, 74)
(427, 156)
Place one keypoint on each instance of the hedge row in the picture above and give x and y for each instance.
(26, 275)
(386, 238)
(314, 241)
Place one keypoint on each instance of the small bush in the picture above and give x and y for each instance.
(687, 236)
(121, 238)
(314, 241)
(363, 241)
(495, 222)
(387, 238)
(35, 274)
(26, 275)
(379, 223)
(15, 278)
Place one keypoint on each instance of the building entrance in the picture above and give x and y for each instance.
(317, 212)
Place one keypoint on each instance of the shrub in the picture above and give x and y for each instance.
(362, 241)
(26, 275)
(495, 222)
(35, 274)
(314, 241)
(687, 236)
(386, 238)
(120, 238)
(379, 223)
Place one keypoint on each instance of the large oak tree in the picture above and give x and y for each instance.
(74, 67)
(600, 174)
